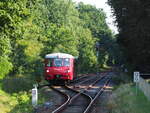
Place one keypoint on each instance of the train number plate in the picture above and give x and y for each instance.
(58, 76)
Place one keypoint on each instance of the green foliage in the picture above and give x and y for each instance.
(71, 37)
(5, 45)
(60, 39)
(34, 28)
(32, 49)
(7, 102)
(5, 66)
(22, 97)
(95, 20)
(16, 103)
(132, 18)
(23, 108)
(87, 56)
(62, 12)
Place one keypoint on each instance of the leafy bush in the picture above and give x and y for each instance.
(5, 66)
(24, 103)
(23, 97)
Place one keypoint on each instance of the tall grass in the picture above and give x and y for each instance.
(125, 100)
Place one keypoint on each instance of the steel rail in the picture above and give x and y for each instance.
(60, 108)
(64, 104)
(82, 91)
(85, 80)
(78, 94)
(81, 77)
(93, 77)
(97, 95)
(68, 101)
(71, 99)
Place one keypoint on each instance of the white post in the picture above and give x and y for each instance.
(136, 79)
(34, 95)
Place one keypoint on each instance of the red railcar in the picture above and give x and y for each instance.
(59, 66)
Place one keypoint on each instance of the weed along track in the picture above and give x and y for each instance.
(79, 97)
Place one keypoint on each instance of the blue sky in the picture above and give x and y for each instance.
(102, 4)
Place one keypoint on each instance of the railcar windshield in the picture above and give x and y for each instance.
(58, 62)
(66, 62)
(49, 62)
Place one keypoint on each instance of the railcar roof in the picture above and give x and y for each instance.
(59, 55)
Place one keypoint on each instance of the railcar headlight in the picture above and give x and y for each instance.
(67, 71)
(47, 71)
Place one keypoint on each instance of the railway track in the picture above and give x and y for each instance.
(76, 103)
(76, 98)
(84, 99)
(57, 91)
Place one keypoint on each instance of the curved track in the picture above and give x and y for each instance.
(76, 103)
(77, 98)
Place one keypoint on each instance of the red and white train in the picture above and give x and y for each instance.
(59, 66)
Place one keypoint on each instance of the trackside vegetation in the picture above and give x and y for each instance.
(15, 94)
(125, 100)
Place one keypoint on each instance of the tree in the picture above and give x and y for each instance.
(5, 50)
(95, 20)
(132, 18)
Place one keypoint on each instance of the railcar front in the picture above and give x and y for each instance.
(59, 66)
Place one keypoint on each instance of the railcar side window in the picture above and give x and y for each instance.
(58, 62)
(49, 63)
(66, 62)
